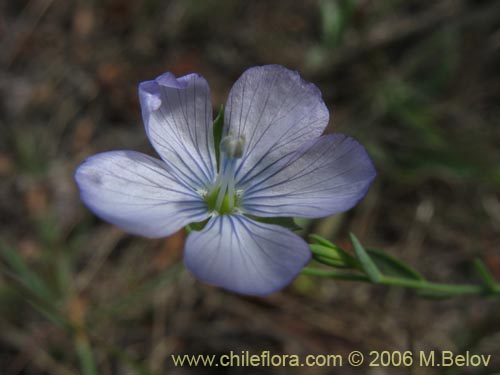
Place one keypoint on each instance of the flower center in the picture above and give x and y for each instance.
(223, 197)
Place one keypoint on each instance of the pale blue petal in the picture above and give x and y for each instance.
(245, 256)
(324, 177)
(177, 113)
(276, 111)
(136, 193)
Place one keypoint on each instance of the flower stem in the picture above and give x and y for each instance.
(389, 271)
(441, 289)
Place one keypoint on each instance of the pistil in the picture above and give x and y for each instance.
(232, 149)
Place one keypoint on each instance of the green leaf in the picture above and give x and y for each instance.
(218, 126)
(286, 222)
(391, 266)
(485, 274)
(366, 262)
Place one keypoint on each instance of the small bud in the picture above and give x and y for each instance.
(233, 146)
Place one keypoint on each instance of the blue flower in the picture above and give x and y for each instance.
(274, 162)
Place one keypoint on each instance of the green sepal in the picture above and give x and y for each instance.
(286, 222)
(366, 262)
(218, 127)
(330, 262)
(333, 256)
(321, 240)
(335, 251)
(391, 266)
(195, 226)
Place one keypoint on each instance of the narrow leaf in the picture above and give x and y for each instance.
(366, 262)
(391, 266)
(485, 274)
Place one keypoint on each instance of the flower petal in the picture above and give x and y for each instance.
(245, 256)
(136, 193)
(275, 111)
(324, 177)
(177, 113)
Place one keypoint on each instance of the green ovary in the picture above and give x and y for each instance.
(225, 207)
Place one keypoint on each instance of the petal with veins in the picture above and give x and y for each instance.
(275, 111)
(177, 113)
(326, 176)
(136, 193)
(245, 256)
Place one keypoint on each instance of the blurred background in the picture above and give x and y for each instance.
(417, 82)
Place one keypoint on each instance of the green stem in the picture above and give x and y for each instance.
(334, 274)
(441, 289)
(376, 267)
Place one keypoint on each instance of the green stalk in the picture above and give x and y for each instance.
(376, 267)
(440, 289)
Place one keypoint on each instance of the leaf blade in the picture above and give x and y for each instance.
(392, 266)
(366, 262)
